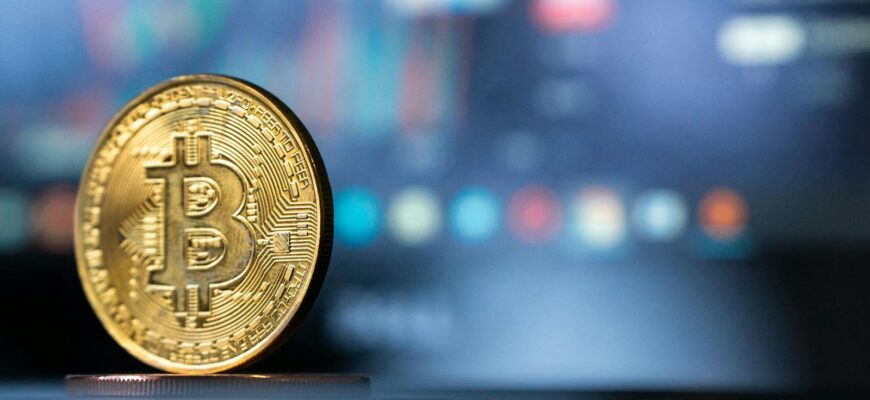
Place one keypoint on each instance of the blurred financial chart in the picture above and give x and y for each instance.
(567, 192)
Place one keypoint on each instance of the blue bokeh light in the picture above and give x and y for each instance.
(474, 214)
(659, 215)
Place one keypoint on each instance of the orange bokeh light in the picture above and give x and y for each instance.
(52, 219)
(723, 213)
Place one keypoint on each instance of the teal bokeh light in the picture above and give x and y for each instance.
(13, 214)
(357, 216)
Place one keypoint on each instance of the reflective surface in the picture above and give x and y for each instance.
(294, 386)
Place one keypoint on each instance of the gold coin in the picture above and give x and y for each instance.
(203, 224)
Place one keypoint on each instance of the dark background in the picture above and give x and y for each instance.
(658, 194)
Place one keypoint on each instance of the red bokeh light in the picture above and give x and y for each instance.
(573, 15)
(534, 214)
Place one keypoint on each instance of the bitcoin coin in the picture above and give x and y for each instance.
(203, 224)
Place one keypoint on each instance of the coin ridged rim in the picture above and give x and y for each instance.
(320, 262)
(219, 385)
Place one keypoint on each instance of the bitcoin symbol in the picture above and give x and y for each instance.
(202, 232)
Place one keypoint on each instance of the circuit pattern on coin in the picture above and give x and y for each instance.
(203, 222)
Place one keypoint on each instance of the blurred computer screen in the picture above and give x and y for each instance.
(552, 193)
